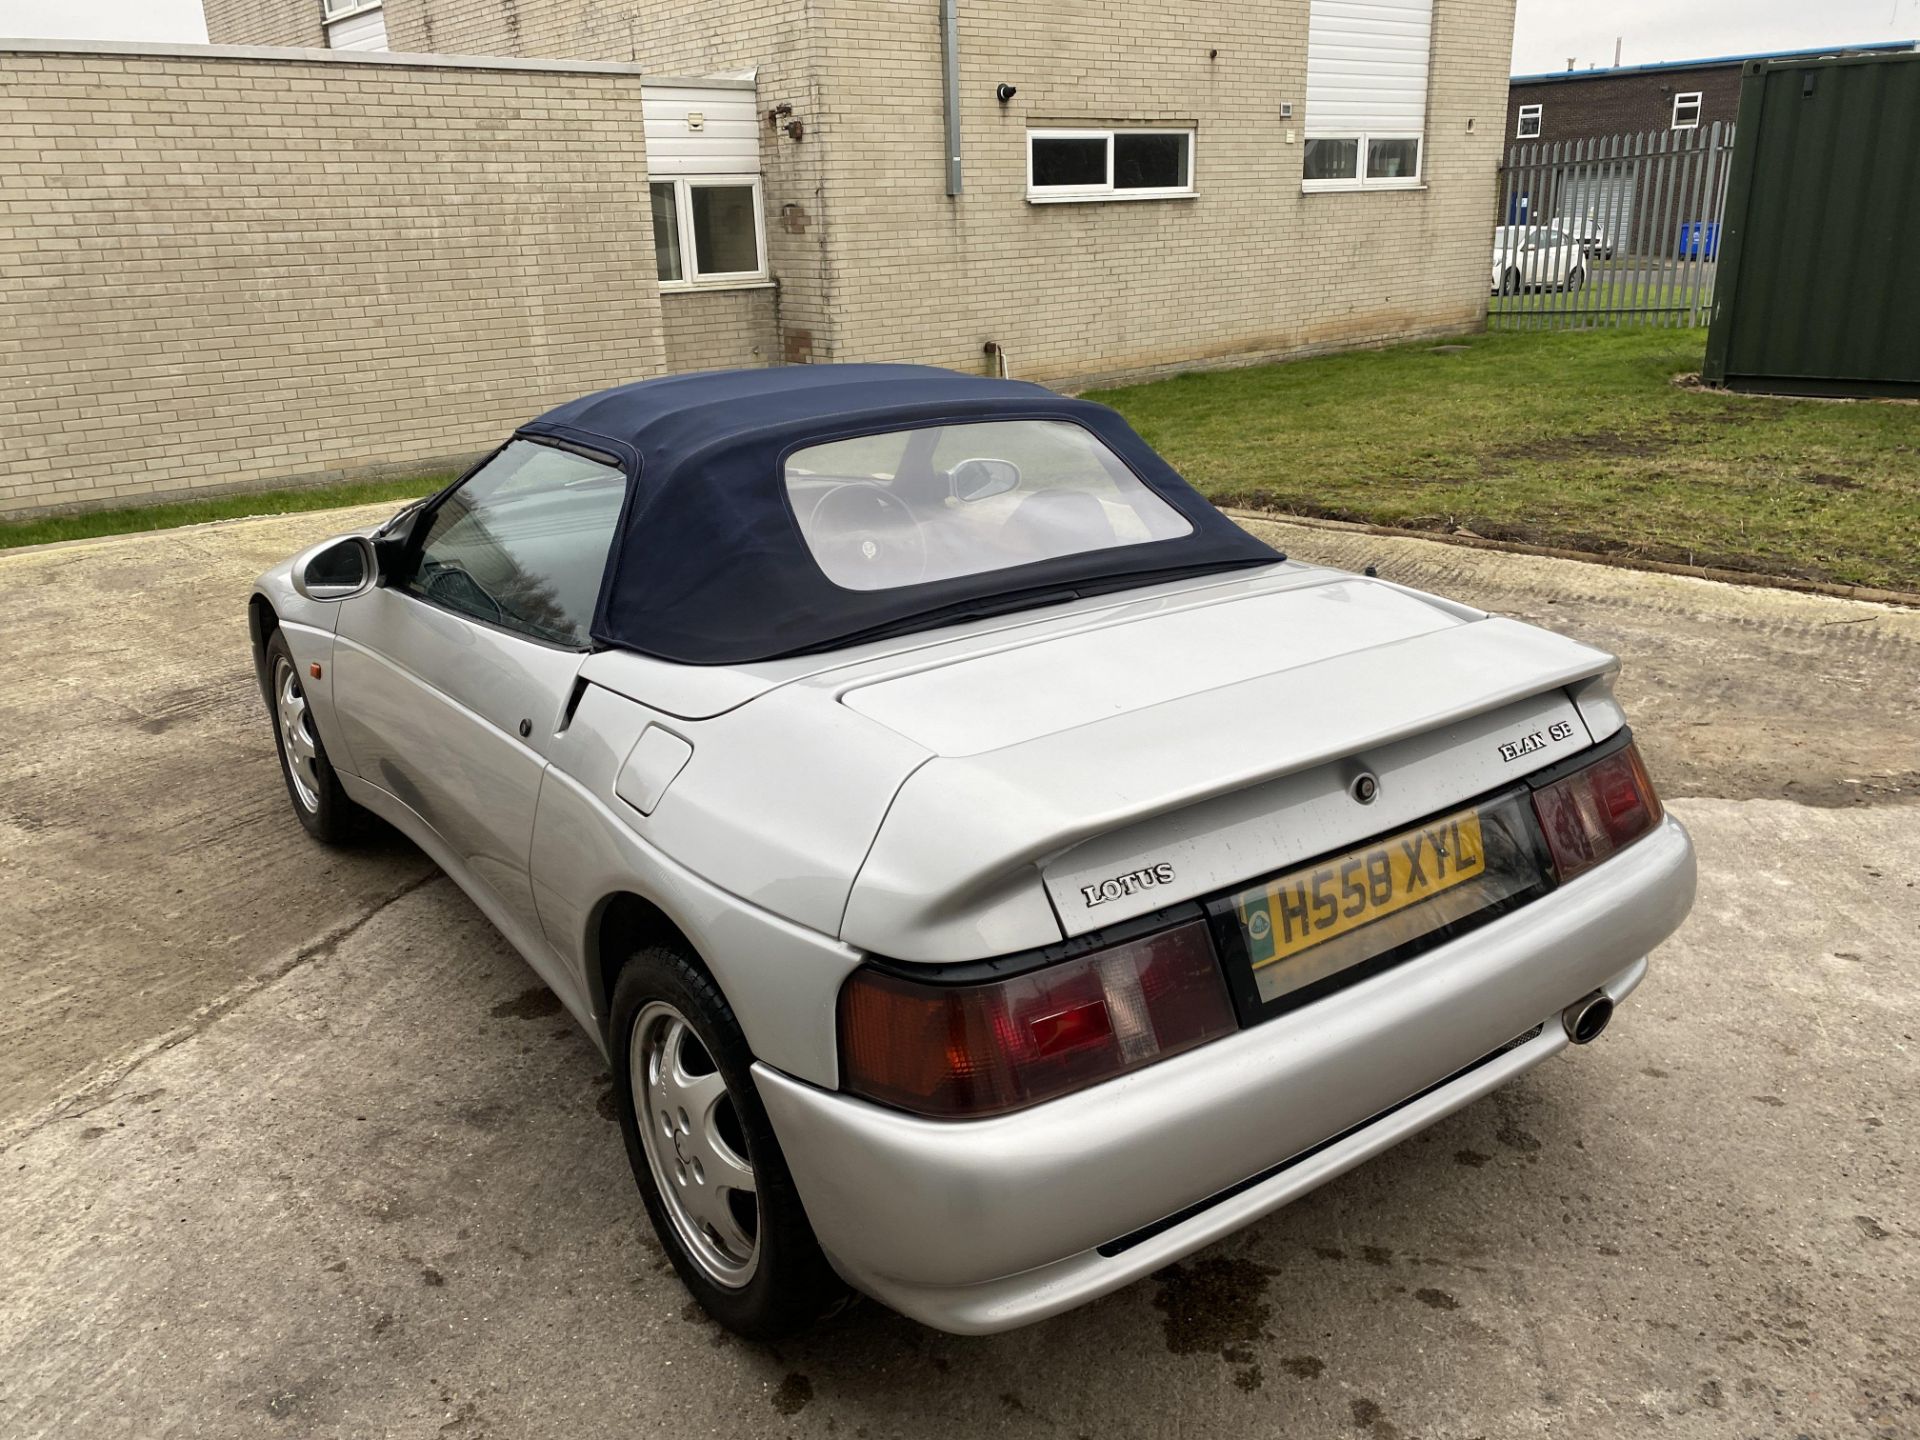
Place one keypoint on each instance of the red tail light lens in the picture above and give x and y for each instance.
(972, 1050)
(1597, 811)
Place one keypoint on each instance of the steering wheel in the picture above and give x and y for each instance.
(866, 538)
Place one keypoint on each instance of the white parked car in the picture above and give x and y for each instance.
(1536, 257)
(991, 873)
(1588, 233)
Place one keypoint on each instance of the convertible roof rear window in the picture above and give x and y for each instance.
(977, 497)
(905, 507)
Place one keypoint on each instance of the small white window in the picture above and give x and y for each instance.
(1120, 164)
(354, 24)
(1392, 158)
(1361, 162)
(1686, 110)
(1529, 127)
(1332, 158)
(708, 231)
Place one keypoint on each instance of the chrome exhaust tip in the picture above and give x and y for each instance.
(1586, 1018)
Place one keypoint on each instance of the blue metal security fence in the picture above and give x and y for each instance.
(1616, 230)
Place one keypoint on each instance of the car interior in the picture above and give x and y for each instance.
(937, 502)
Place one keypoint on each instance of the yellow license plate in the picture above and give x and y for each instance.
(1312, 905)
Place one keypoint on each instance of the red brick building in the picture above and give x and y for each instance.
(1634, 99)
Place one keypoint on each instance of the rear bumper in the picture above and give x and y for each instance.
(984, 1225)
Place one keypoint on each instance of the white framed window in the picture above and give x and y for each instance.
(354, 24)
(1686, 110)
(1122, 163)
(1362, 162)
(1366, 120)
(709, 232)
(1529, 126)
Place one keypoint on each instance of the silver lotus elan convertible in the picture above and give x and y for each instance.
(990, 872)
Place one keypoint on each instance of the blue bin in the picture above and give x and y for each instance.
(1699, 240)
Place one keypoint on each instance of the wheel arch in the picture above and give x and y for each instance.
(622, 923)
(781, 980)
(262, 621)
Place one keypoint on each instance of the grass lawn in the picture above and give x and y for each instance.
(1617, 287)
(217, 507)
(1575, 438)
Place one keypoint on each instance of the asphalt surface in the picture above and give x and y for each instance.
(290, 1144)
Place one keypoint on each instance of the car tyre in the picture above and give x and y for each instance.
(681, 1064)
(319, 800)
(1510, 282)
(1577, 278)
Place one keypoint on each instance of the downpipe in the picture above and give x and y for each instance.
(1587, 1017)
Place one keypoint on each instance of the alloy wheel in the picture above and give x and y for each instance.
(690, 1129)
(298, 747)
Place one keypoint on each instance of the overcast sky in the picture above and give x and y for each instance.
(1548, 32)
(105, 19)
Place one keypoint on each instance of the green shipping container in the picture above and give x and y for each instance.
(1819, 284)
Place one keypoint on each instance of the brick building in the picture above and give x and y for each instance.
(1677, 95)
(247, 269)
(1135, 184)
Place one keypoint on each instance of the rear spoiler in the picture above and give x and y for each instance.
(951, 873)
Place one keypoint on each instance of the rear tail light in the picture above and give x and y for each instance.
(1596, 811)
(971, 1050)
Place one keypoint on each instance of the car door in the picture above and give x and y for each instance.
(1562, 251)
(1506, 253)
(1535, 258)
(452, 677)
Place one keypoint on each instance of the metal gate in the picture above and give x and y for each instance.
(1600, 197)
(1616, 230)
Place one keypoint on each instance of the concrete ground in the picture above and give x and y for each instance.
(291, 1144)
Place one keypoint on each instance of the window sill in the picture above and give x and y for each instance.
(708, 287)
(351, 11)
(1106, 197)
(1358, 187)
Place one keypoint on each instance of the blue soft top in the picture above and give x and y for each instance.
(709, 566)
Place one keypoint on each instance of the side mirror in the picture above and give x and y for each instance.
(337, 569)
(982, 479)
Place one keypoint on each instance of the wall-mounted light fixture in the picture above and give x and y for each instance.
(1004, 92)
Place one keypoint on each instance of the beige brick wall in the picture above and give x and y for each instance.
(534, 29)
(264, 22)
(1251, 264)
(876, 262)
(777, 39)
(718, 329)
(780, 42)
(222, 272)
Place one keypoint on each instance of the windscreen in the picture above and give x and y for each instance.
(910, 507)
